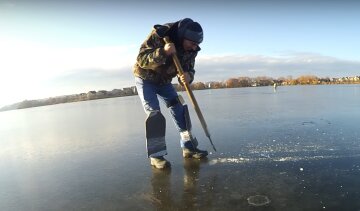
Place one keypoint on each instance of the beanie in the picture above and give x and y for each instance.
(190, 30)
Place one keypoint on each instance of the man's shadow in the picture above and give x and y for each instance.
(162, 197)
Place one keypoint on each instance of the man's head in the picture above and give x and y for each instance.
(190, 33)
(189, 45)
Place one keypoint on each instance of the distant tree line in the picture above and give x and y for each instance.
(229, 83)
(268, 81)
(91, 95)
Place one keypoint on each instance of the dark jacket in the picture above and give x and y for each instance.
(153, 64)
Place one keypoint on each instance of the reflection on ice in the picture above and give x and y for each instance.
(164, 196)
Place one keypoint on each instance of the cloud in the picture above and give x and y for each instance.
(28, 69)
(91, 79)
(213, 68)
(32, 71)
(220, 67)
(35, 60)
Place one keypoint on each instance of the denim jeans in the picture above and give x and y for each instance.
(149, 92)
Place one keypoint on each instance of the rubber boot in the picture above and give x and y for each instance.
(159, 162)
(194, 153)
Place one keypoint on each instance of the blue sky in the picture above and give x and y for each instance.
(50, 48)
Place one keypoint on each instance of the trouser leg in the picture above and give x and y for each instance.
(155, 122)
(180, 115)
(187, 140)
(169, 95)
(155, 134)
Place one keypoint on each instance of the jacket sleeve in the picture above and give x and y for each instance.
(191, 70)
(152, 54)
(189, 67)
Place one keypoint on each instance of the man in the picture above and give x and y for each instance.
(154, 71)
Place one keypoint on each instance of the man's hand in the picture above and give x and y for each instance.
(169, 49)
(185, 78)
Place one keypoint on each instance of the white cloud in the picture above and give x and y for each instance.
(32, 70)
(25, 66)
(31, 59)
(220, 67)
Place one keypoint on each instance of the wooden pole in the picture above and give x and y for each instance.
(191, 95)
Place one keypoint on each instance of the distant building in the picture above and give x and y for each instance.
(91, 95)
(101, 94)
(134, 90)
(117, 92)
(128, 91)
(212, 85)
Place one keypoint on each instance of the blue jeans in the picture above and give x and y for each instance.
(149, 92)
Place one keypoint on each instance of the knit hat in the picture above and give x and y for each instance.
(190, 30)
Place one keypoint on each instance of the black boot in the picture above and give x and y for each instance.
(194, 153)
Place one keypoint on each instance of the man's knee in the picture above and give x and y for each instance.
(152, 113)
(183, 109)
(173, 102)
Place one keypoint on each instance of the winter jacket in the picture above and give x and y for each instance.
(154, 65)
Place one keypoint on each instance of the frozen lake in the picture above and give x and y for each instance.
(294, 148)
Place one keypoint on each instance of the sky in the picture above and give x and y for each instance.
(51, 48)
